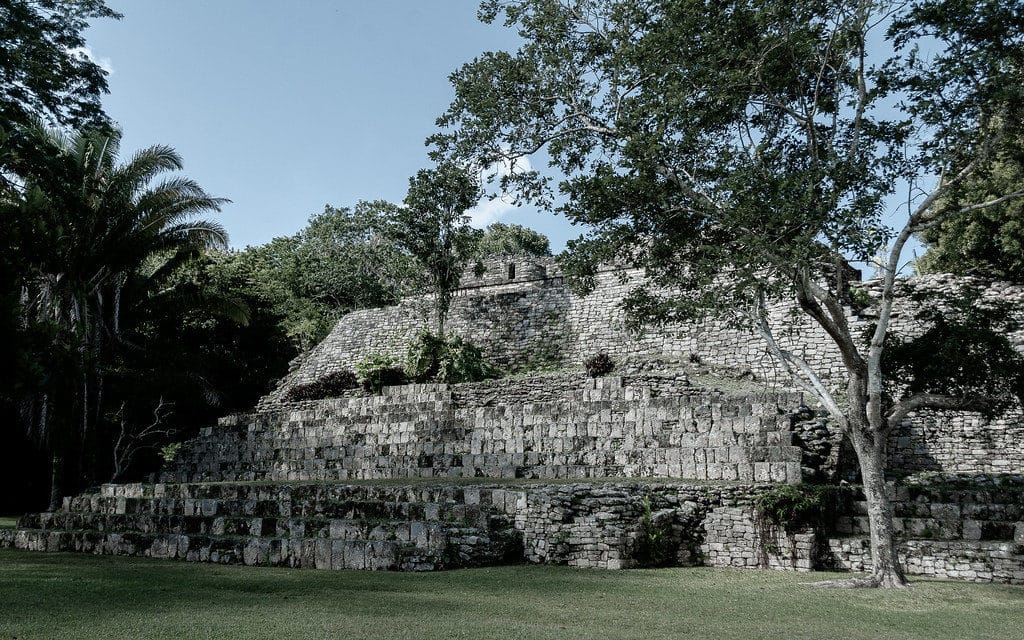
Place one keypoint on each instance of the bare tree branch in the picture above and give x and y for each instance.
(932, 401)
(795, 366)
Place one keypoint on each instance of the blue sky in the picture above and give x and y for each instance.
(284, 107)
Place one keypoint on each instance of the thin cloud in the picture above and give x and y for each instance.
(489, 209)
(85, 53)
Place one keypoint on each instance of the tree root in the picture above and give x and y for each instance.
(870, 582)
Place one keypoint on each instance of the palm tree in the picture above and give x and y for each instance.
(98, 223)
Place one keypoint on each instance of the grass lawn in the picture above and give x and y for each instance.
(82, 597)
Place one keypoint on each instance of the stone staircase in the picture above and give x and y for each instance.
(591, 429)
(326, 526)
(396, 481)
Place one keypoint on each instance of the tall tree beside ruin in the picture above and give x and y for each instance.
(760, 138)
(96, 235)
(433, 227)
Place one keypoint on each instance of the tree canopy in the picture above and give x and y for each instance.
(348, 262)
(988, 242)
(512, 239)
(758, 139)
(45, 69)
(433, 227)
(343, 260)
(96, 238)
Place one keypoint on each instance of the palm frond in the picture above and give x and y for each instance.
(204, 234)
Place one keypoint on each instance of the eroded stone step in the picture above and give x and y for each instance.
(606, 430)
(460, 548)
(963, 519)
(475, 515)
(978, 561)
(939, 528)
(389, 492)
(784, 471)
(368, 529)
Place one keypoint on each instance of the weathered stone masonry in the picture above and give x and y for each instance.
(535, 319)
(439, 526)
(569, 428)
(497, 471)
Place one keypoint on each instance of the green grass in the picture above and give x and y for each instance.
(8, 522)
(83, 597)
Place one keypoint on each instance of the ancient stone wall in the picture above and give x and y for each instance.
(622, 525)
(605, 525)
(526, 324)
(1001, 562)
(959, 443)
(568, 427)
(738, 537)
(533, 320)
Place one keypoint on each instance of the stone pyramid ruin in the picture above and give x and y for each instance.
(663, 462)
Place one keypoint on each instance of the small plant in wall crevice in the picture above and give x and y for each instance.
(378, 370)
(599, 365)
(654, 546)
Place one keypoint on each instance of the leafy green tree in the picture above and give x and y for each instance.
(433, 227)
(512, 239)
(91, 225)
(203, 342)
(987, 242)
(757, 139)
(347, 262)
(343, 260)
(273, 273)
(44, 71)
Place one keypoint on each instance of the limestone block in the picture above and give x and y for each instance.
(971, 530)
(323, 551)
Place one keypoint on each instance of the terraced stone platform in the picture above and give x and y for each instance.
(614, 472)
(431, 524)
(274, 487)
(577, 428)
(321, 526)
(416, 525)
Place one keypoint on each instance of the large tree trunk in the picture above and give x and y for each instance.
(886, 570)
(56, 482)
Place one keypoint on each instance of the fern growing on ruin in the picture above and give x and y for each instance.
(377, 370)
(448, 359)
